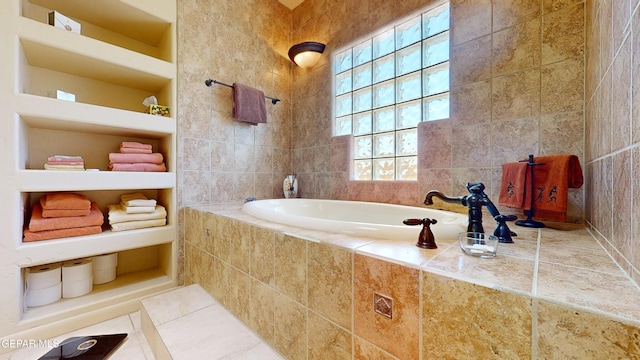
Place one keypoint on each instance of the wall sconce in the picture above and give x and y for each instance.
(306, 54)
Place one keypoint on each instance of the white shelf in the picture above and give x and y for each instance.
(143, 20)
(55, 49)
(55, 250)
(43, 112)
(124, 287)
(50, 180)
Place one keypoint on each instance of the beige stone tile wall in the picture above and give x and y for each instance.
(317, 300)
(612, 126)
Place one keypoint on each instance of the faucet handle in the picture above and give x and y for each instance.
(426, 240)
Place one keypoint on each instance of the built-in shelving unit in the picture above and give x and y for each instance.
(126, 51)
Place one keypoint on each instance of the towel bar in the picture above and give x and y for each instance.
(211, 82)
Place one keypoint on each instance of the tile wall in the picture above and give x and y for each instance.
(517, 73)
(612, 127)
(322, 296)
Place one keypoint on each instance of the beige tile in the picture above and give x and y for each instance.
(221, 282)
(562, 86)
(481, 323)
(262, 254)
(330, 283)
(364, 350)
(513, 140)
(516, 96)
(562, 133)
(570, 333)
(221, 239)
(240, 245)
(471, 103)
(290, 328)
(563, 283)
(261, 310)
(510, 13)
(563, 34)
(471, 61)
(327, 340)
(621, 102)
(238, 301)
(465, 143)
(291, 268)
(472, 19)
(516, 48)
(397, 335)
(488, 272)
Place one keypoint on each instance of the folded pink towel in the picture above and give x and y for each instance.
(135, 145)
(60, 233)
(138, 167)
(127, 150)
(65, 201)
(155, 158)
(58, 158)
(249, 104)
(39, 223)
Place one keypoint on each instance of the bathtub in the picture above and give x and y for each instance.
(383, 221)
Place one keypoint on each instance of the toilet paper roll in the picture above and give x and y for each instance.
(44, 276)
(75, 270)
(104, 276)
(39, 297)
(105, 261)
(71, 289)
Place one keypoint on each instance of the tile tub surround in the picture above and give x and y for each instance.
(310, 294)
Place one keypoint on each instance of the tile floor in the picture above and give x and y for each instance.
(191, 324)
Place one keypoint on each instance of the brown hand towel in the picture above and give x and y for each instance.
(551, 185)
(513, 186)
(249, 104)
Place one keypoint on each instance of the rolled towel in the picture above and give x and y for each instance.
(138, 167)
(118, 215)
(136, 199)
(60, 233)
(135, 145)
(38, 223)
(141, 224)
(65, 201)
(119, 158)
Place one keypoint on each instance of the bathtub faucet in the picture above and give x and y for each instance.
(475, 201)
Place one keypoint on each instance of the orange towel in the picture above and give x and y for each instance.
(552, 181)
(60, 233)
(512, 188)
(138, 167)
(249, 104)
(65, 201)
(155, 158)
(39, 223)
(551, 186)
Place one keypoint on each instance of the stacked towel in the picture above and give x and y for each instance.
(64, 205)
(66, 223)
(65, 162)
(134, 156)
(552, 181)
(136, 211)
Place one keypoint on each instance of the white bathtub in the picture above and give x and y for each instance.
(377, 220)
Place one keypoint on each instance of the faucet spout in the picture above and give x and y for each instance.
(428, 200)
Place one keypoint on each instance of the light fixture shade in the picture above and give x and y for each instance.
(306, 54)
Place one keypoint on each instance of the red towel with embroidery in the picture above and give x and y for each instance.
(552, 182)
(512, 188)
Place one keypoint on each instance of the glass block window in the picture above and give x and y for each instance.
(387, 84)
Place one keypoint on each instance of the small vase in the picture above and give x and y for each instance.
(290, 186)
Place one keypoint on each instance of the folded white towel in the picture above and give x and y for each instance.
(141, 224)
(136, 199)
(118, 215)
(138, 209)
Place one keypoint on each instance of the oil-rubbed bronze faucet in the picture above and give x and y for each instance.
(475, 201)
(426, 240)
